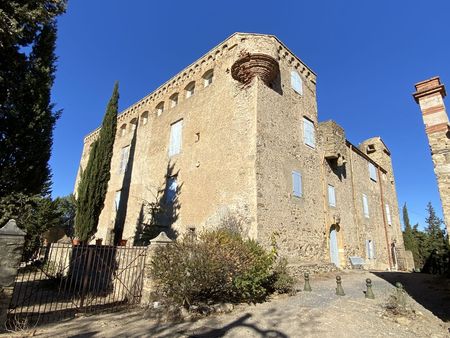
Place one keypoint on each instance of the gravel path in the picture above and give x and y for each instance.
(319, 313)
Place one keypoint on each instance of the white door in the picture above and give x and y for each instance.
(334, 253)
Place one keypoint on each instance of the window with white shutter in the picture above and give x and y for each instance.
(309, 133)
(296, 82)
(125, 154)
(388, 215)
(365, 206)
(331, 196)
(117, 200)
(175, 138)
(370, 249)
(296, 184)
(372, 172)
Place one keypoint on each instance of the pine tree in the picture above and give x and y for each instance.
(94, 179)
(435, 233)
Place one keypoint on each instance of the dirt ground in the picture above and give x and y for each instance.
(320, 313)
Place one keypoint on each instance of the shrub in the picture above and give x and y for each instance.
(283, 282)
(218, 266)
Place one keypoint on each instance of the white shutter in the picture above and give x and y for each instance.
(365, 206)
(331, 196)
(309, 133)
(296, 184)
(124, 159)
(117, 200)
(296, 82)
(388, 214)
(372, 172)
(175, 138)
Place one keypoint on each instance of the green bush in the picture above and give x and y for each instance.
(218, 266)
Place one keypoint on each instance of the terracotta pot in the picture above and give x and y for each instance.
(123, 242)
(98, 241)
(76, 241)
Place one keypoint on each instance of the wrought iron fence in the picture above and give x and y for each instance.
(66, 280)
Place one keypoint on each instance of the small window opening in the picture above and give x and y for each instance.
(190, 88)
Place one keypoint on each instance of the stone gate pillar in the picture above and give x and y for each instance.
(430, 97)
(148, 286)
(11, 248)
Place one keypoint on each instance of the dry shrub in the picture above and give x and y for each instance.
(216, 266)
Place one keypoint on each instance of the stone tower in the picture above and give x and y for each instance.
(430, 97)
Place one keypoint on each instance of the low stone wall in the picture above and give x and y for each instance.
(298, 270)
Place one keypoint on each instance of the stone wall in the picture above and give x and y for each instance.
(11, 248)
(242, 138)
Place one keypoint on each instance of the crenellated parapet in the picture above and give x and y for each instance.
(255, 44)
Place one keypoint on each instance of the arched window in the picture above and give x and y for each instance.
(190, 88)
(173, 100)
(160, 108)
(123, 129)
(208, 78)
(133, 124)
(144, 118)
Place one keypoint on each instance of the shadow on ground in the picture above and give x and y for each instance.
(431, 291)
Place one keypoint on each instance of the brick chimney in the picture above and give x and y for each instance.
(430, 97)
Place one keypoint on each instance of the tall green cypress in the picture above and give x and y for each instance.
(27, 118)
(408, 236)
(94, 179)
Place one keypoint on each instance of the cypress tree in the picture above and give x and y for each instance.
(94, 179)
(408, 236)
(27, 118)
(435, 234)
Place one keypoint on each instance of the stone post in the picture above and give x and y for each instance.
(430, 97)
(11, 248)
(148, 287)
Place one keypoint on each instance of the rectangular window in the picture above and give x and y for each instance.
(370, 249)
(388, 215)
(175, 138)
(117, 200)
(372, 172)
(309, 132)
(296, 82)
(171, 190)
(365, 206)
(296, 184)
(125, 154)
(331, 196)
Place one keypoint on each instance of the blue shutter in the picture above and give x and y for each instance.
(372, 172)
(331, 196)
(171, 190)
(296, 184)
(309, 137)
(175, 138)
(117, 200)
(365, 206)
(296, 82)
(388, 214)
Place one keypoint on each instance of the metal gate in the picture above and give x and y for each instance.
(66, 280)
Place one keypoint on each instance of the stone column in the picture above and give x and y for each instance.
(11, 248)
(148, 286)
(430, 97)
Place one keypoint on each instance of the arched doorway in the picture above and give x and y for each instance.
(334, 248)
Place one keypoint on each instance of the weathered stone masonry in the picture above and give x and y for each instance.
(251, 144)
(430, 97)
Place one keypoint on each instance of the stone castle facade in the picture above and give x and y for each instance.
(235, 136)
(430, 97)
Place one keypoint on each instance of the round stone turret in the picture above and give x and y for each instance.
(249, 66)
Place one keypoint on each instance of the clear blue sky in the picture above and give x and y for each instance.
(367, 55)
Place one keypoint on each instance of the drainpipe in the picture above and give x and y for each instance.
(384, 219)
(325, 209)
(355, 220)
